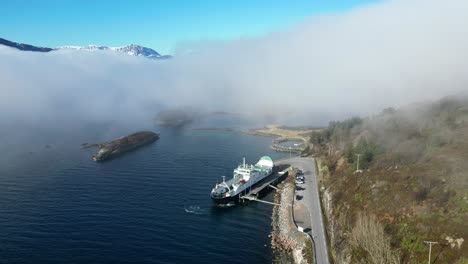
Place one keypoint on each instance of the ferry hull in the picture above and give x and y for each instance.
(226, 200)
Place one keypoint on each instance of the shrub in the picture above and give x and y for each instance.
(412, 243)
(337, 195)
(308, 251)
(357, 197)
(462, 260)
(421, 194)
(368, 150)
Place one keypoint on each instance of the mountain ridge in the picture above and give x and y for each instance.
(132, 49)
(23, 46)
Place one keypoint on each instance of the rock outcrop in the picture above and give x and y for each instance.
(125, 144)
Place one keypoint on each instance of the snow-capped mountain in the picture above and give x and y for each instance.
(134, 50)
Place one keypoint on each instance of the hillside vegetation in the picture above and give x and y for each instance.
(413, 186)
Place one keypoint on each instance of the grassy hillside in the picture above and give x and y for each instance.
(413, 185)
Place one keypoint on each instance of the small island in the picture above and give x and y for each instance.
(124, 144)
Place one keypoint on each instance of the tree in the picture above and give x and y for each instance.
(368, 235)
(349, 153)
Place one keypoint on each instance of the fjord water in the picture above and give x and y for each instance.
(149, 206)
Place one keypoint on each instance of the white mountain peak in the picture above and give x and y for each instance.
(132, 49)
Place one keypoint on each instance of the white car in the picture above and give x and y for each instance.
(297, 181)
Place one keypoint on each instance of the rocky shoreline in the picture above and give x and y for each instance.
(288, 244)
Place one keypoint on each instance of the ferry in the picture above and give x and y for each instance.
(245, 177)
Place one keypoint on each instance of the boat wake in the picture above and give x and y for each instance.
(194, 210)
(227, 205)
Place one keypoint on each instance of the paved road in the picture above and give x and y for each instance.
(312, 201)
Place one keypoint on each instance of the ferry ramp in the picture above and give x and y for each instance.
(269, 181)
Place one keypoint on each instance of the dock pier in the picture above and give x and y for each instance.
(268, 182)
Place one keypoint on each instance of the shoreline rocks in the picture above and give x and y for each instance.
(287, 243)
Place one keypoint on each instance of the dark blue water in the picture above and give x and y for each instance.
(149, 206)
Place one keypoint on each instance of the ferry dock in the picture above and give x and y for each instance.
(269, 182)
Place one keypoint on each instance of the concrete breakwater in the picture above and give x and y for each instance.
(281, 136)
(299, 148)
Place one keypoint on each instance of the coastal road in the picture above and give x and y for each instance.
(311, 200)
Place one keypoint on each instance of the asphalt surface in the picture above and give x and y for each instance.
(311, 201)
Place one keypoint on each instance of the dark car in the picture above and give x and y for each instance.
(299, 188)
(299, 197)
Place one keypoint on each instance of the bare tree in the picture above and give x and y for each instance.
(369, 235)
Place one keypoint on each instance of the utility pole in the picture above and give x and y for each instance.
(430, 243)
(358, 156)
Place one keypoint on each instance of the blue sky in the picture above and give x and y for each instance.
(156, 24)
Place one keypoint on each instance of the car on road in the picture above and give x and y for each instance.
(298, 181)
(299, 188)
(299, 197)
(300, 177)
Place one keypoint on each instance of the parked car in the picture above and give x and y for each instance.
(299, 197)
(300, 177)
(297, 181)
(299, 188)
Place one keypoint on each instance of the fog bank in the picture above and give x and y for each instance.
(328, 67)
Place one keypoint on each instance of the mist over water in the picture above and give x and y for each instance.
(153, 205)
(328, 67)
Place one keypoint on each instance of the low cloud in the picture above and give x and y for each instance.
(332, 66)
